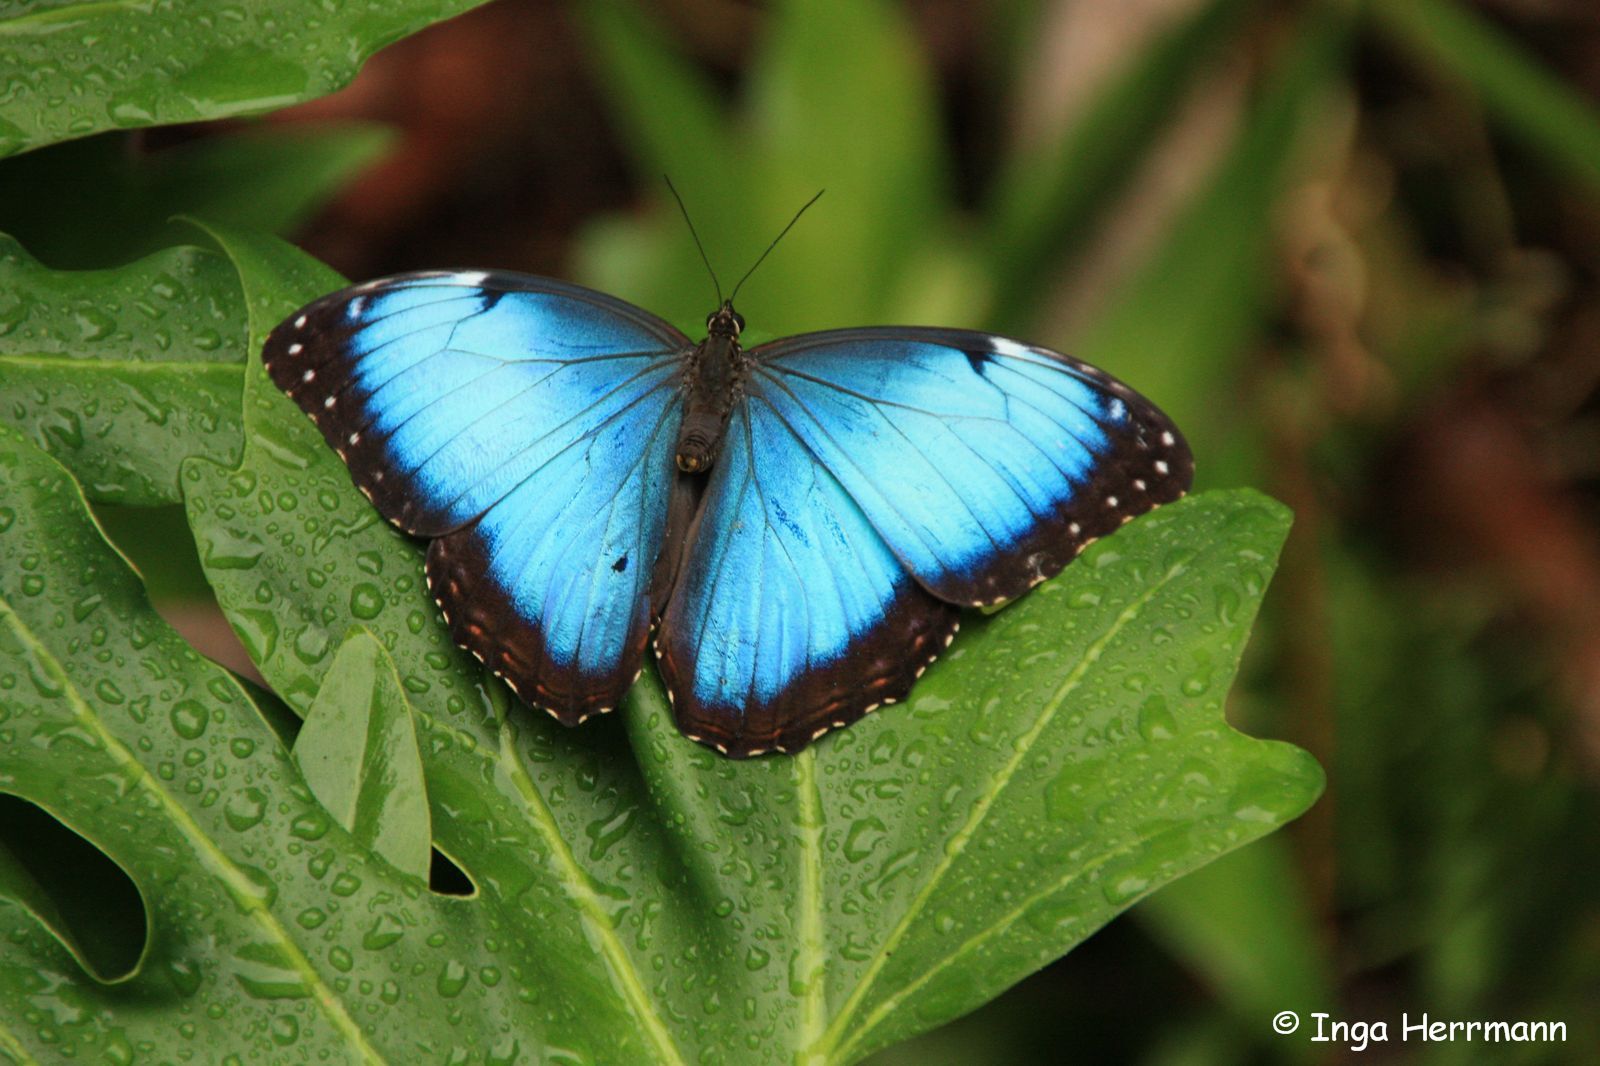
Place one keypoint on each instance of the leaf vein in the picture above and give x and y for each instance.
(884, 1009)
(11, 1046)
(618, 962)
(980, 810)
(51, 19)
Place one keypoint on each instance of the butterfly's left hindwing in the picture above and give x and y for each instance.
(528, 426)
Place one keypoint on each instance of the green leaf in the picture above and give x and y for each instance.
(1066, 758)
(1044, 201)
(94, 203)
(274, 934)
(1091, 765)
(358, 752)
(1516, 86)
(77, 67)
(123, 373)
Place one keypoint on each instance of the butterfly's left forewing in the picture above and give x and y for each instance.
(984, 464)
(526, 425)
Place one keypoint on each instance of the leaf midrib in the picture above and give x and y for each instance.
(837, 1051)
(811, 947)
(241, 888)
(618, 962)
(68, 362)
(10, 1045)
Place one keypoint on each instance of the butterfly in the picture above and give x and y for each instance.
(799, 522)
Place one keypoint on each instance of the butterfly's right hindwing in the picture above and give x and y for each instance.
(791, 617)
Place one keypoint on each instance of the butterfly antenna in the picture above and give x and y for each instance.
(774, 243)
(703, 258)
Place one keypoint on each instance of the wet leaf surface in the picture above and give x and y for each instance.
(358, 752)
(274, 935)
(69, 68)
(121, 374)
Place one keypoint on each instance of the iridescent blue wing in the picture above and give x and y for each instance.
(985, 465)
(790, 616)
(527, 426)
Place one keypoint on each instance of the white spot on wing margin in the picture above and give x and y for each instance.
(1007, 346)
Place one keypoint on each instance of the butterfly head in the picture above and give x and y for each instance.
(725, 321)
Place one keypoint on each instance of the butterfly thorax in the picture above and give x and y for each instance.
(714, 377)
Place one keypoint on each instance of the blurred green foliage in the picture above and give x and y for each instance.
(93, 203)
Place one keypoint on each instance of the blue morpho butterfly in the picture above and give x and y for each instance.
(800, 521)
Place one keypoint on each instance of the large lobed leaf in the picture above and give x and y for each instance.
(121, 374)
(1068, 757)
(273, 935)
(76, 67)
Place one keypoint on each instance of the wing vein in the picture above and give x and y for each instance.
(976, 521)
